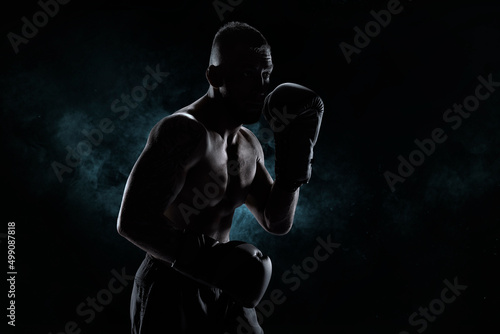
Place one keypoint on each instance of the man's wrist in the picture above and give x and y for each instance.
(191, 243)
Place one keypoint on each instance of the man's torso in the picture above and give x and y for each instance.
(216, 185)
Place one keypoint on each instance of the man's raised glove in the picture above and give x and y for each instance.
(294, 113)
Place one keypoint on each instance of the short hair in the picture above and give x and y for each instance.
(236, 33)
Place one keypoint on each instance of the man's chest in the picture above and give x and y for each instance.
(225, 173)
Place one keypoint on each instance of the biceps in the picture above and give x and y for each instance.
(259, 192)
(154, 182)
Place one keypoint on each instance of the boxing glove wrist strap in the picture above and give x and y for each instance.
(190, 245)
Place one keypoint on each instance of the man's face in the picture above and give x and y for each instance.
(246, 82)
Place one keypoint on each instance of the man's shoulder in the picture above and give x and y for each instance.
(178, 127)
(249, 137)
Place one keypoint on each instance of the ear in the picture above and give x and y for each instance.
(214, 76)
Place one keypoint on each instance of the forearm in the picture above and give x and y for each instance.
(237, 268)
(153, 235)
(280, 210)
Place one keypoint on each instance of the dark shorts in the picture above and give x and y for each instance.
(165, 301)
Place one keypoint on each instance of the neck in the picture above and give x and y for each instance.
(219, 116)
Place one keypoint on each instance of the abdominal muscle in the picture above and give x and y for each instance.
(210, 221)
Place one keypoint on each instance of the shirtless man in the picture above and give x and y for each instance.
(198, 166)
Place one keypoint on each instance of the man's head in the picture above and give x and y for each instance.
(239, 69)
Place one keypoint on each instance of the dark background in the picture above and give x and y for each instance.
(397, 247)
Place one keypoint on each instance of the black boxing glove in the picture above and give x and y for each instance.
(294, 113)
(237, 268)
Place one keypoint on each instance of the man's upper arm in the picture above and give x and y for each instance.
(261, 185)
(174, 145)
